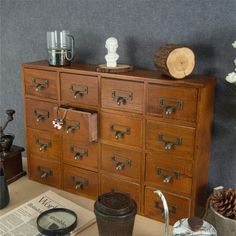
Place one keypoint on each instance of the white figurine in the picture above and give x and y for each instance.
(111, 57)
(231, 77)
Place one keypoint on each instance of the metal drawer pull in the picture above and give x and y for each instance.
(121, 99)
(172, 210)
(78, 154)
(43, 146)
(169, 140)
(120, 130)
(40, 86)
(121, 162)
(169, 109)
(44, 172)
(72, 128)
(41, 115)
(83, 90)
(166, 178)
(80, 182)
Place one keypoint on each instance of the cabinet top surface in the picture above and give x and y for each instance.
(136, 74)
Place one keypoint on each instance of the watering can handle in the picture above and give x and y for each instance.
(166, 211)
(69, 58)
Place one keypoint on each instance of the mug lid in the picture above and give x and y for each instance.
(115, 204)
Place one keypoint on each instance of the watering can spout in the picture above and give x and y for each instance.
(165, 211)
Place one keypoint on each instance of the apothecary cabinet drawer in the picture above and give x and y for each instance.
(122, 95)
(109, 184)
(80, 154)
(41, 83)
(80, 181)
(179, 207)
(122, 162)
(79, 89)
(44, 144)
(168, 174)
(178, 103)
(121, 129)
(77, 124)
(44, 171)
(176, 141)
(39, 114)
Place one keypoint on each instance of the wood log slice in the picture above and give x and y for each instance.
(121, 68)
(175, 61)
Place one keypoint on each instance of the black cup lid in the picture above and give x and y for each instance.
(115, 203)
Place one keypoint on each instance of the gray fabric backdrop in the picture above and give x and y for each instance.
(141, 26)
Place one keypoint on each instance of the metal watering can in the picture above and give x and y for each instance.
(188, 226)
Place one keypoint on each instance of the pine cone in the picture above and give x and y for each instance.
(224, 202)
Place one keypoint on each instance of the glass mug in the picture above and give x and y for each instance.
(60, 45)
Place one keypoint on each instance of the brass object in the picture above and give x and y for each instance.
(79, 92)
(43, 146)
(39, 86)
(41, 115)
(169, 140)
(78, 154)
(80, 182)
(70, 128)
(172, 210)
(169, 109)
(121, 162)
(120, 130)
(44, 172)
(167, 178)
(117, 96)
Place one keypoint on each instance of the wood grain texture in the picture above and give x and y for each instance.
(85, 87)
(142, 131)
(131, 92)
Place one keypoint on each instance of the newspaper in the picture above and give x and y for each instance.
(21, 221)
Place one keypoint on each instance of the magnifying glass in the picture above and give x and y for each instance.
(56, 222)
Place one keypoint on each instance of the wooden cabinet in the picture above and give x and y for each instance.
(132, 132)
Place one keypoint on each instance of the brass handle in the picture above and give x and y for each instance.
(120, 131)
(122, 96)
(39, 86)
(170, 105)
(83, 90)
(167, 178)
(72, 128)
(78, 154)
(80, 182)
(44, 172)
(41, 115)
(121, 162)
(43, 146)
(169, 141)
(172, 209)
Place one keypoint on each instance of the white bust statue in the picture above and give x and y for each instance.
(111, 57)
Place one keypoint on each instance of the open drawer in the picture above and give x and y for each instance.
(77, 124)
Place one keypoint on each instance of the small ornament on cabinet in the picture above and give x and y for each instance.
(111, 58)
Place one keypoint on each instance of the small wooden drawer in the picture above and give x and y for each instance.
(45, 171)
(177, 141)
(78, 125)
(79, 89)
(44, 144)
(168, 174)
(122, 95)
(41, 83)
(80, 181)
(109, 184)
(179, 207)
(39, 114)
(178, 103)
(80, 154)
(122, 162)
(121, 129)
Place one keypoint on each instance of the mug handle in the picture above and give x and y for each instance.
(70, 57)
